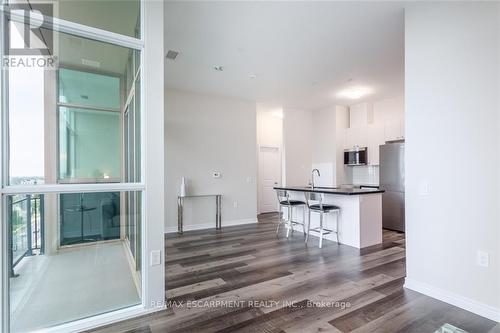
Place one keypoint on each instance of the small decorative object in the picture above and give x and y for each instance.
(182, 191)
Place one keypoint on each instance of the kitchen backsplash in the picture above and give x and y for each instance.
(362, 175)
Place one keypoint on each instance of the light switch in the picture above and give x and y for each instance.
(483, 259)
(423, 188)
(155, 258)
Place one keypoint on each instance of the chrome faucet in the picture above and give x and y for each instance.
(312, 176)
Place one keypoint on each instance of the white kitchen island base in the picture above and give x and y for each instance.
(360, 218)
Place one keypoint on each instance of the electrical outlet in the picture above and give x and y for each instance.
(483, 259)
(155, 258)
(235, 204)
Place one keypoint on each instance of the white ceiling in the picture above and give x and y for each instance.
(303, 53)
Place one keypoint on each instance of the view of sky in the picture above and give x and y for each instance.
(26, 119)
(26, 122)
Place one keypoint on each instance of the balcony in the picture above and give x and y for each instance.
(66, 252)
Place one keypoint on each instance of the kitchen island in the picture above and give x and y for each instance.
(360, 219)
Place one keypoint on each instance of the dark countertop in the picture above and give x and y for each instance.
(331, 190)
(368, 185)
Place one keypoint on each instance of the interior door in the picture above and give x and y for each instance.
(269, 176)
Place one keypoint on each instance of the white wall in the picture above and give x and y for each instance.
(342, 122)
(314, 139)
(203, 134)
(452, 152)
(269, 126)
(297, 146)
(324, 145)
(153, 277)
(388, 109)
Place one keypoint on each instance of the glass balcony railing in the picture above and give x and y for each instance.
(26, 226)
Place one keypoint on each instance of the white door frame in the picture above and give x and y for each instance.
(152, 163)
(259, 172)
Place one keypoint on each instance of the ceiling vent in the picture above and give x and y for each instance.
(172, 54)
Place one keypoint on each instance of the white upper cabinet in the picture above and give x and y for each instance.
(394, 128)
(355, 136)
(375, 139)
(360, 115)
(390, 112)
(372, 124)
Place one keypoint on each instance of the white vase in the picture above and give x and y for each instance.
(183, 187)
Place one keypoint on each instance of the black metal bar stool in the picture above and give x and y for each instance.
(315, 203)
(284, 200)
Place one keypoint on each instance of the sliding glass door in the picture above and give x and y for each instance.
(132, 143)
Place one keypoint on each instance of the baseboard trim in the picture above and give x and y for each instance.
(101, 320)
(204, 226)
(462, 302)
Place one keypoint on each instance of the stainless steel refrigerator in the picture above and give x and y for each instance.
(392, 181)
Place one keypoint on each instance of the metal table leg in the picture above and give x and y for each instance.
(218, 218)
(180, 208)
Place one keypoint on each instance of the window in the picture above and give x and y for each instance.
(73, 192)
(91, 95)
(89, 126)
(122, 17)
(89, 145)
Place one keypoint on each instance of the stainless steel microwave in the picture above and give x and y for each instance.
(356, 156)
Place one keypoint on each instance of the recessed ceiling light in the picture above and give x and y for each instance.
(252, 76)
(277, 113)
(218, 68)
(355, 92)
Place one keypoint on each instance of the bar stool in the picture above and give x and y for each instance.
(284, 200)
(314, 202)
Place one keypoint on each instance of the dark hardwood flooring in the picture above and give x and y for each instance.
(245, 279)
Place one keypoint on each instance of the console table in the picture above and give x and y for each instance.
(180, 209)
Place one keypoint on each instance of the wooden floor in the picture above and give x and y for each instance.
(244, 279)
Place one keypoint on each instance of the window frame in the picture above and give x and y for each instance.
(149, 293)
(60, 104)
(82, 31)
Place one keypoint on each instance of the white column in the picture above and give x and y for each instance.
(153, 135)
